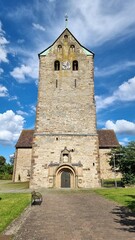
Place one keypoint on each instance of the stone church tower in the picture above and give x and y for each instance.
(65, 150)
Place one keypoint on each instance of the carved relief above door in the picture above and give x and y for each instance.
(65, 156)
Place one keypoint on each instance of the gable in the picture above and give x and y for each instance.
(72, 38)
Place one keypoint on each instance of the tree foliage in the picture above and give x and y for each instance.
(125, 162)
(6, 169)
(2, 161)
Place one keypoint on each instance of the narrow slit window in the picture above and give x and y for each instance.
(75, 65)
(56, 83)
(75, 83)
(56, 65)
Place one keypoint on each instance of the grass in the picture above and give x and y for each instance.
(11, 206)
(111, 182)
(7, 184)
(124, 196)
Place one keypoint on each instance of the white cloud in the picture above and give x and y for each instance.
(11, 126)
(28, 70)
(12, 98)
(3, 42)
(22, 73)
(103, 20)
(20, 41)
(102, 102)
(98, 20)
(121, 126)
(124, 93)
(20, 112)
(32, 109)
(106, 21)
(3, 91)
(1, 71)
(38, 27)
(124, 141)
(3, 54)
(113, 69)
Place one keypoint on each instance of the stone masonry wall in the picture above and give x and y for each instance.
(23, 164)
(66, 115)
(105, 168)
(68, 105)
(82, 149)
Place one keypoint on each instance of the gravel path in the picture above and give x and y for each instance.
(74, 216)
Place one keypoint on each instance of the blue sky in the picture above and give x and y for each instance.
(28, 27)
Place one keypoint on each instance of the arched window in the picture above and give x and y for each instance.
(66, 36)
(56, 65)
(72, 48)
(75, 65)
(59, 48)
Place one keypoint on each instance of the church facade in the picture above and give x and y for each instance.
(65, 150)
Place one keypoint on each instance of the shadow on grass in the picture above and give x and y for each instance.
(131, 204)
(126, 216)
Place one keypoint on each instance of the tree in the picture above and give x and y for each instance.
(125, 162)
(2, 161)
(6, 169)
(2, 164)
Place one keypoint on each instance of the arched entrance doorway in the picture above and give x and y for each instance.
(65, 177)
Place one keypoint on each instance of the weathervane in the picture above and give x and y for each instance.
(66, 20)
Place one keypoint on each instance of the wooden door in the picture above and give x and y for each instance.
(65, 179)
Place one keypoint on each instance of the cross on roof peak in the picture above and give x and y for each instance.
(66, 20)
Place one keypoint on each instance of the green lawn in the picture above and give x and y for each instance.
(124, 196)
(11, 205)
(9, 185)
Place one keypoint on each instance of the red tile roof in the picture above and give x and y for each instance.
(107, 139)
(25, 139)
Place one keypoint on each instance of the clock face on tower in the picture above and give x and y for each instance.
(66, 65)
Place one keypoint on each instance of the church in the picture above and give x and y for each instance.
(65, 149)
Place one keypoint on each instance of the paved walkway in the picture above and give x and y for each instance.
(74, 216)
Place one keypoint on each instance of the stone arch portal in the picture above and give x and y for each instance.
(65, 177)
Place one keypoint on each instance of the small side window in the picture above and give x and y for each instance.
(56, 83)
(59, 48)
(66, 37)
(75, 65)
(57, 65)
(72, 48)
(75, 83)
